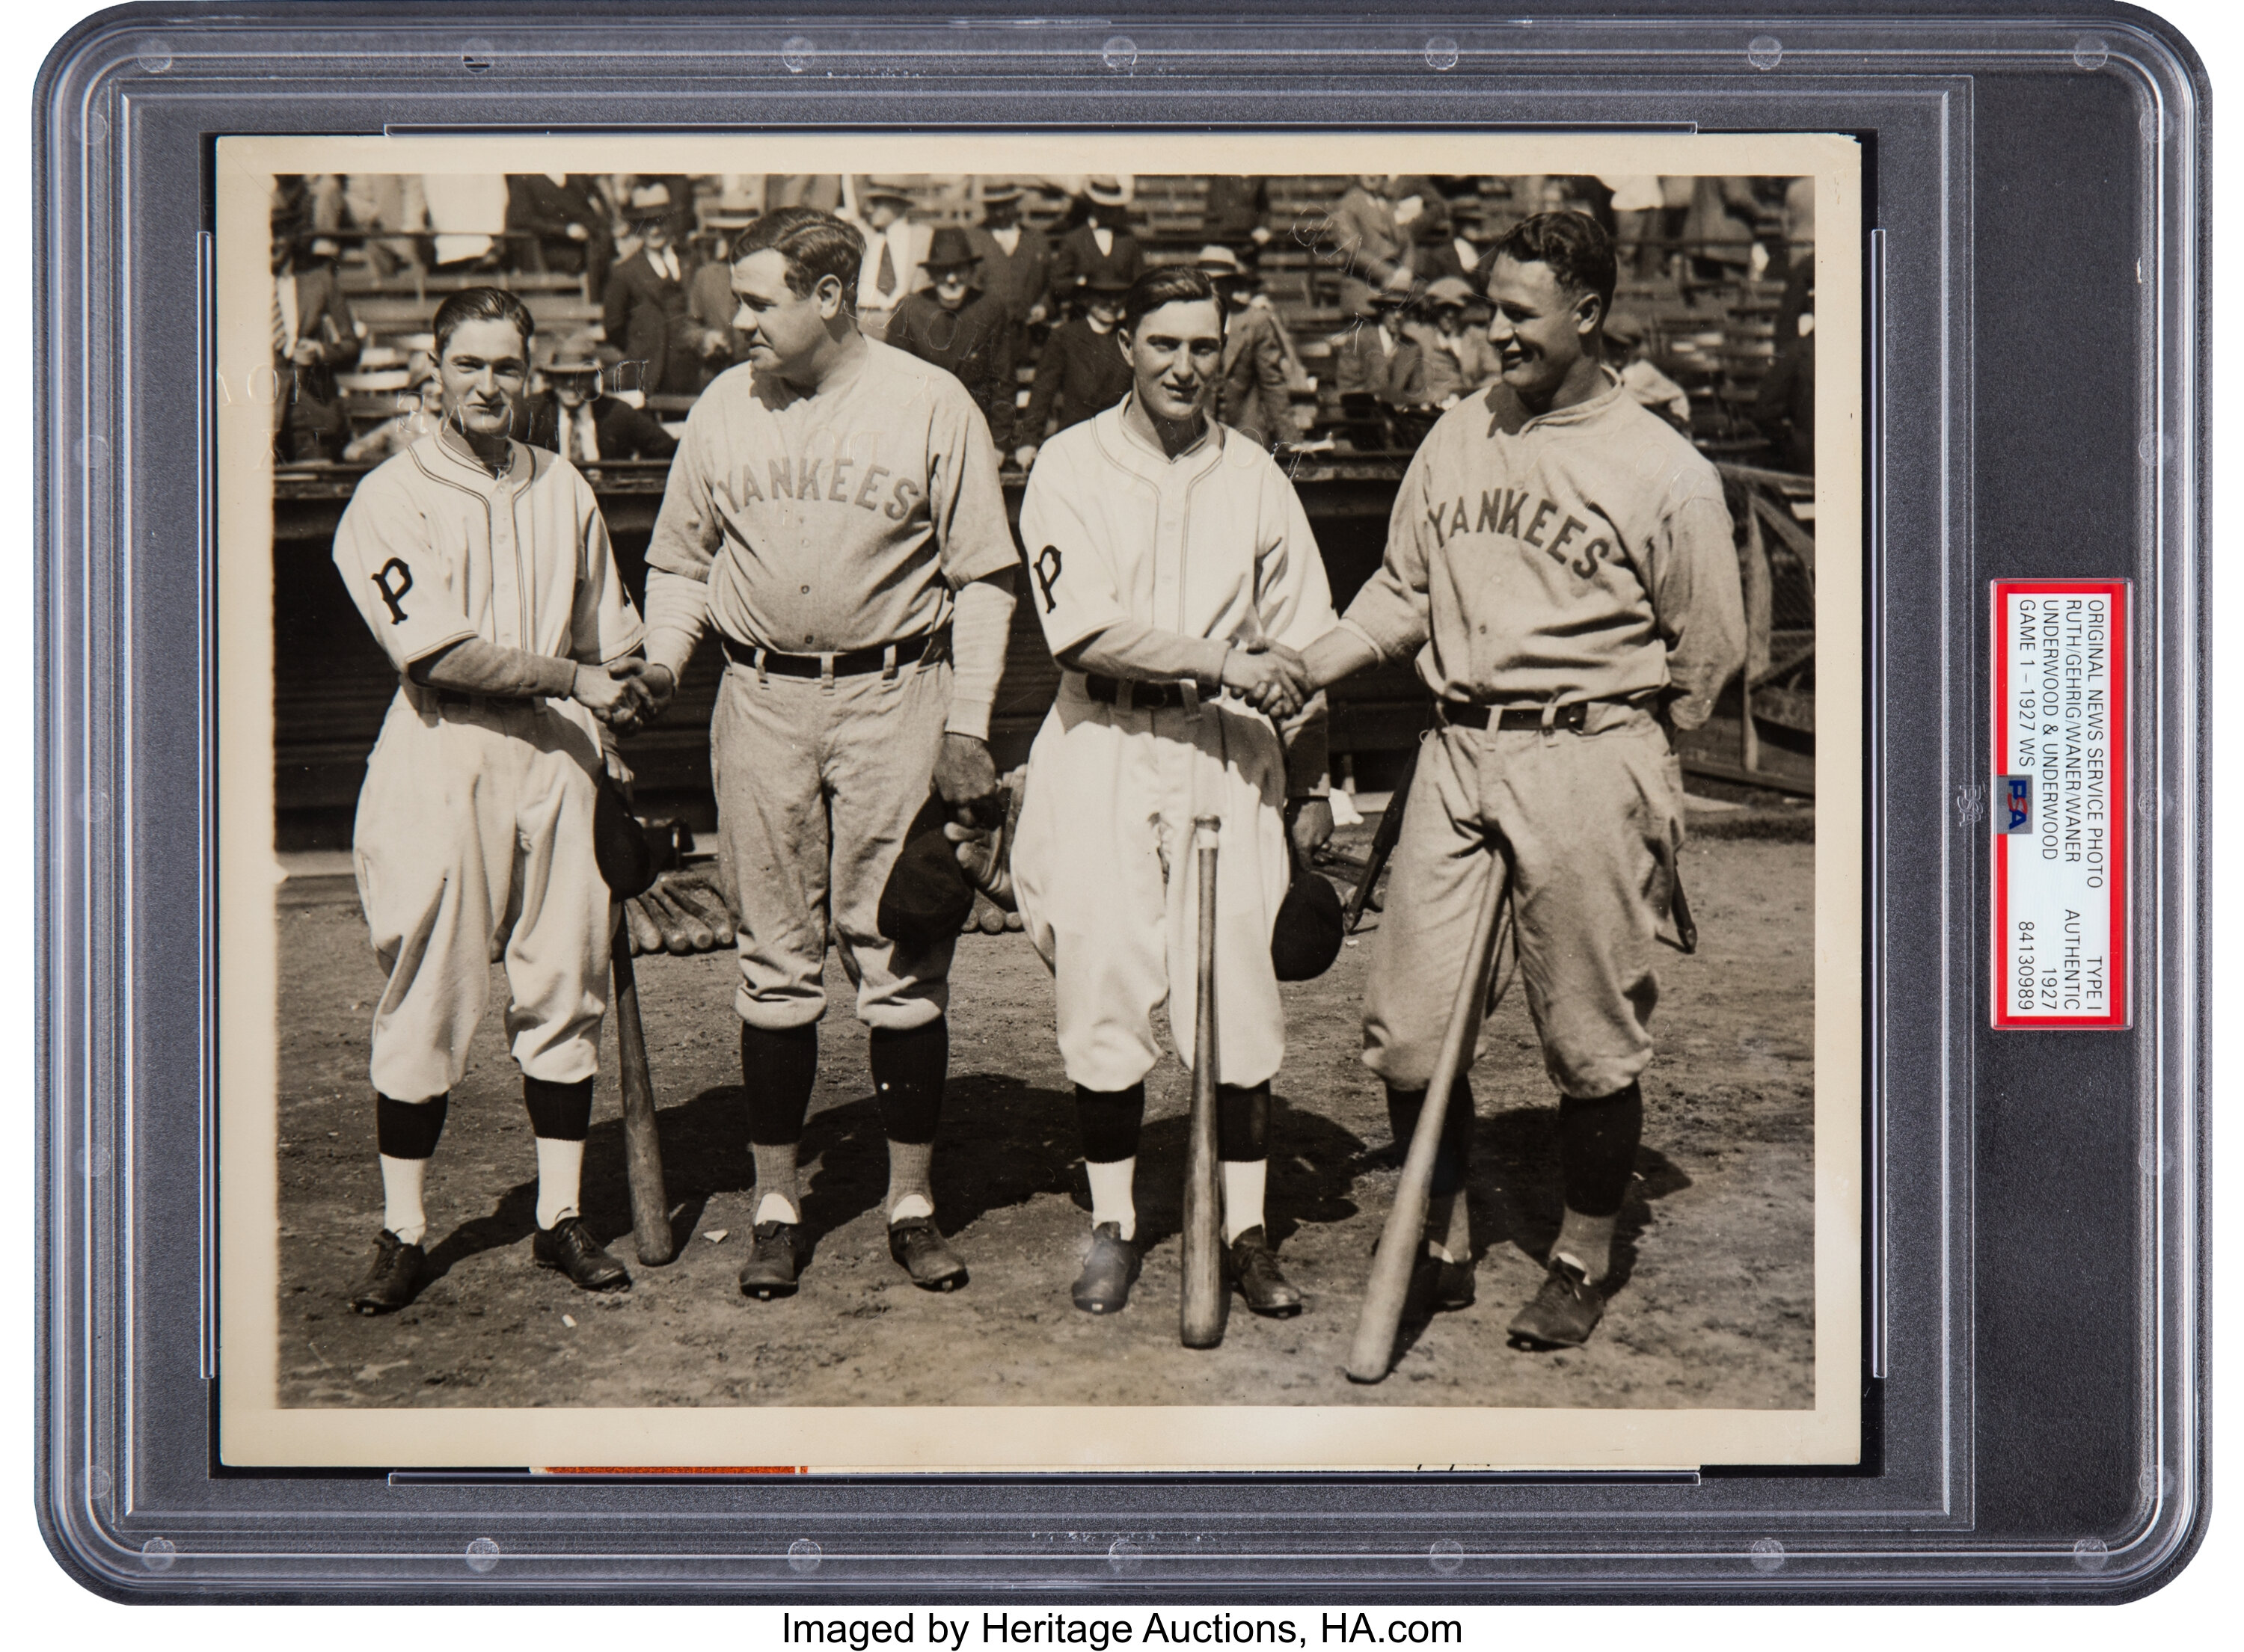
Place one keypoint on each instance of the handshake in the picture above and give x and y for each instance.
(626, 693)
(1270, 677)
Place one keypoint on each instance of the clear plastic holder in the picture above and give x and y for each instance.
(2034, 1384)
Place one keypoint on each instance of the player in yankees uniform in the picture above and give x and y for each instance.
(833, 511)
(483, 568)
(1560, 561)
(1170, 556)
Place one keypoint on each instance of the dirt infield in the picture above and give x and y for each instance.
(1713, 1303)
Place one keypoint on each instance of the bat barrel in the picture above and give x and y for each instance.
(1199, 1314)
(1373, 1352)
(650, 1204)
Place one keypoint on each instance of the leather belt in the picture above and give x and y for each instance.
(856, 662)
(1135, 696)
(1572, 716)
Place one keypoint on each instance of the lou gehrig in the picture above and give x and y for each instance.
(1560, 563)
(833, 511)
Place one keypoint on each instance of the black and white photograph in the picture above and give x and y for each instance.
(1140, 804)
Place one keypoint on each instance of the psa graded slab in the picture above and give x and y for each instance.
(955, 820)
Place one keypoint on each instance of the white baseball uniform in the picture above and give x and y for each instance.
(1211, 546)
(473, 836)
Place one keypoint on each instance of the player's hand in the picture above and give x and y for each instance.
(659, 683)
(639, 703)
(620, 772)
(1270, 677)
(1025, 454)
(966, 777)
(599, 692)
(1311, 827)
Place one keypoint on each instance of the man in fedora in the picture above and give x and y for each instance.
(315, 335)
(646, 310)
(1017, 258)
(1379, 368)
(583, 426)
(1082, 371)
(896, 246)
(1458, 357)
(955, 326)
(1102, 244)
(1251, 394)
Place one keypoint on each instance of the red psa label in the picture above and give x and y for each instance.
(2059, 803)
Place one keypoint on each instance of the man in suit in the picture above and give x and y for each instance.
(1459, 359)
(1015, 257)
(896, 247)
(1380, 368)
(646, 309)
(1251, 394)
(963, 331)
(313, 335)
(1372, 250)
(574, 419)
(1082, 371)
(1102, 247)
(564, 211)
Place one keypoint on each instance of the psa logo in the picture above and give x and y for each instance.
(2014, 804)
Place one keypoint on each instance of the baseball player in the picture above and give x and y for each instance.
(482, 567)
(833, 511)
(1169, 555)
(1560, 562)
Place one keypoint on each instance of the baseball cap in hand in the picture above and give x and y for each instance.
(927, 898)
(1307, 937)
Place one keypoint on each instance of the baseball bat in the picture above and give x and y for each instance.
(1400, 1243)
(642, 1147)
(1200, 1311)
(1383, 845)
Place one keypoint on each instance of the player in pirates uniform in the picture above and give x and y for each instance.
(1560, 561)
(1171, 561)
(483, 568)
(833, 511)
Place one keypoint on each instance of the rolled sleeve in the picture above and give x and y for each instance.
(967, 502)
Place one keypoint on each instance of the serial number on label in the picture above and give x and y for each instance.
(2060, 898)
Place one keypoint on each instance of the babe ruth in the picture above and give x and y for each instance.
(1171, 560)
(1561, 562)
(833, 511)
(482, 567)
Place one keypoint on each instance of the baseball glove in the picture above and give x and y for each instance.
(985, 854)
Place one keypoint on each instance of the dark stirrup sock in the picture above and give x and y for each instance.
(1597, 1138)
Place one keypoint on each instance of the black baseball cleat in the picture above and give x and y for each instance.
(919, 1248)
(1255, 1271)
(569, 1247)
(1108, 1271)
(391, 1277)
(1452, 1284)
(770, 1268)
(1563, 1313)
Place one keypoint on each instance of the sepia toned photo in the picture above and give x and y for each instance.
(1062, 801)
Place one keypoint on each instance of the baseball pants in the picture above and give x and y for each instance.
(818, 781)
(1576, 820)
(1109, 885)
(473, 844)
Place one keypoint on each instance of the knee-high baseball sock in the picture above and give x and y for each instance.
(405, 1136)
(1449, 1231)
(909, 1067)
(560, 1116)
(1597, 1138)
(1111, 1121)
(1242, 1151)
(778, 1068)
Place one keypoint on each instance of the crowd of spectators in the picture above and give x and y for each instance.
(1014, 285)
